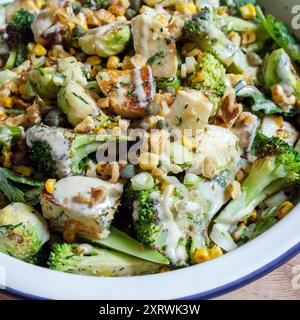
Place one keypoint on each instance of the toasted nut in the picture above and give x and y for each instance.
(210, 165)
(7, 161)
(240, 176)
(98, 195)
(233, 189)
(281, 98)
(164, 269)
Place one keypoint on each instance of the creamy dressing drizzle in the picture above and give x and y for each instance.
(68, 188)
(139, 89)
(284, 71)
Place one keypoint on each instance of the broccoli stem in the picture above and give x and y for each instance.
(11, 60)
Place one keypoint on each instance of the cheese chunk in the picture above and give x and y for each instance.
(190, 110)
(219, 144)
(129, 91)
(82, 205)
(154, 42)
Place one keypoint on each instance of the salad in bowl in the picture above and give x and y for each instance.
(139, 137)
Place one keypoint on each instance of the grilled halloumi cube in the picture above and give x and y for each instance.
(81, 205)
(274, 126)
(217, 148)
(190, 110)
(152, 40)
(129, 91)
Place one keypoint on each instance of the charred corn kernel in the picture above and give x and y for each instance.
(215, 252)
(222, 10)
(7, 159)
(201, 255)
(50, 185)
(113, 62)
(248, 11)
(144, 8)
(284, 209)
(198, 77)
(93, 60)
(39, 50)
(248, 37)
(186, 8)
(235, 38)
(23, 170)
(71, 25)
(279, 122)
(7, 102)
(164, 269)
(148, 161)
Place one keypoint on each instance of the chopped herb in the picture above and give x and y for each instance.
(157, 57)
(168, 41)
(79, 97)
(179, 120)
(125, 84)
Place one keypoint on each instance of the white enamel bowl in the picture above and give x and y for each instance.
(207, 280)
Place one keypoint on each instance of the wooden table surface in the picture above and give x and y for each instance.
(284, 283)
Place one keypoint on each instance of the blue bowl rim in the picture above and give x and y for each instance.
(219, 291)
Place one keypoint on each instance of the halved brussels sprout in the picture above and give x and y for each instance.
(76, 103)
(23, 231)
(107, 40)
(73, 70)
(42, 82)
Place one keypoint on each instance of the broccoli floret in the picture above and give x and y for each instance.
(22, 231)
(19, 33)
(204, 29)
(95, 4)
(88, 260)
(58, 152)
(166, 223)
(212, 74)
(280, 33)
(278, 163)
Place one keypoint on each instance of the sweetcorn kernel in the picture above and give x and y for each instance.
(222, 10)
(113, 62)
(284, 209)
(50, 185)
(23, 170)
(235, 38)
(201, 255)
(215, 252)
(7, 102)
(198, 77)
(148, 161)
(164, 269)
(71, 25)
(186, 8)
(248, 11)
(248, 37)
(93, 60)
(39, 50)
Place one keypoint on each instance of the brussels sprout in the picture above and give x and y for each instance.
(278, 69)
(22, 231)
(42, 82)
(73, 70)
(76, 103)
(107, 40)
